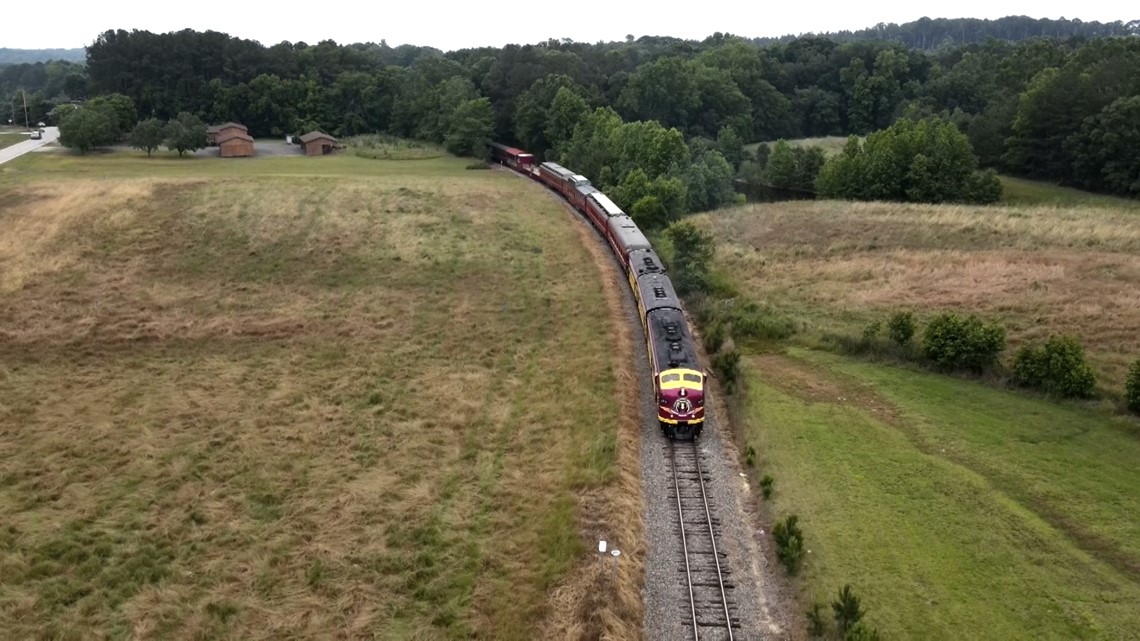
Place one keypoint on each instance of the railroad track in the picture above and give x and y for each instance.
(705, 577)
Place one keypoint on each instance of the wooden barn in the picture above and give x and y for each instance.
(235, 144)
(318, 143)
(215, 133)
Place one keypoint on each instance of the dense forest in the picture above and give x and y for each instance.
(1057, 108)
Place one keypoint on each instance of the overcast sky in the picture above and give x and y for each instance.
(452, 24)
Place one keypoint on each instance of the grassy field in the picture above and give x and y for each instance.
(833, 267)
(1003, 517)
(8, 138)
(831, 144)
(299, 398)
(1019, 191)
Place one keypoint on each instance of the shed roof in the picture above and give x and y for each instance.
(226, 125)
(235, 135)
(316, 135)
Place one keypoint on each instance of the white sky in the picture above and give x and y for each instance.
(455, 24)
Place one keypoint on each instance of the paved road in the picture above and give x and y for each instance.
(21, 148)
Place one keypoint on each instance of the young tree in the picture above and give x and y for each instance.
(185, 133)
(148, 135)
(86, 128)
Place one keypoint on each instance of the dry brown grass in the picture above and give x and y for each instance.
(300, 407)
(834, 266)
(590, 605)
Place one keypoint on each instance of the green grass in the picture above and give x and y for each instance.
(9, 139)
(1020, 191)
(65, 165)
(957, 511)
(293, 397)
(831, 145)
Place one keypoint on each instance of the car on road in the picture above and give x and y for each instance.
(38, 134)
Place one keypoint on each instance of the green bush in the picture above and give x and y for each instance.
(861, 632)
(1132, 388)
(789, 543)
(872, 330)
(714, 337)
(727, 364)
(817, 624)
(766, 485)
(901, 327)
(847, 610)
(751, 321)
(1058, 367)
(963, 344)
(693, 251)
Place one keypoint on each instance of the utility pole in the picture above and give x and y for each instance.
(25, 94)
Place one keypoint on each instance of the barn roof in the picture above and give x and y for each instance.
(316, 135)
(235, 135)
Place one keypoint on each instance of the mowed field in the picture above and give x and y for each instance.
(302, 398)
(955, 509)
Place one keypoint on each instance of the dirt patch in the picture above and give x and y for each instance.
(813, 384)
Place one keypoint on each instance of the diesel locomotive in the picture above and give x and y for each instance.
(678, 378)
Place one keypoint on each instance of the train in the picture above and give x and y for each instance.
(679, 381)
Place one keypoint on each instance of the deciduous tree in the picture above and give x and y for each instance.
(148, 135)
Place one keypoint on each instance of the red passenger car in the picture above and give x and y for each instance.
(599, 209)
(516, 159)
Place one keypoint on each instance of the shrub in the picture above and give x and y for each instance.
(789, 543)
(1132, 388)
(727, 364)
(901, 327)
(751, 321)
(714, 337)
(817, 624)
(1057, 367)
(766, 486)
(750, 457)
(968, 344)
(693, 251)
(847, 610)
(871, 331)
(861, 632)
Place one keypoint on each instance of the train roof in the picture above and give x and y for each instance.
(670, 340)
(580, 180)
(586, 189)
(657, 292)
(606, 204)
(627, 235)
(558, 169)
(645, 261)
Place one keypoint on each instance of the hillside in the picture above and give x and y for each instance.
(25, 56)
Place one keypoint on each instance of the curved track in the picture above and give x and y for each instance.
(709, 605)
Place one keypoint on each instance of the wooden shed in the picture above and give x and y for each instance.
(235, 144)
(216, 133)
(318, 143)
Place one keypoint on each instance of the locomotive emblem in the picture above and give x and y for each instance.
(682, 406)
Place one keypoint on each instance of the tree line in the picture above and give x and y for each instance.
(928, 33)
(1044, 107)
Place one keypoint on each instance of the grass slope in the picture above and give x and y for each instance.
(291, 398)
(1002, 517)
(835, 266)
